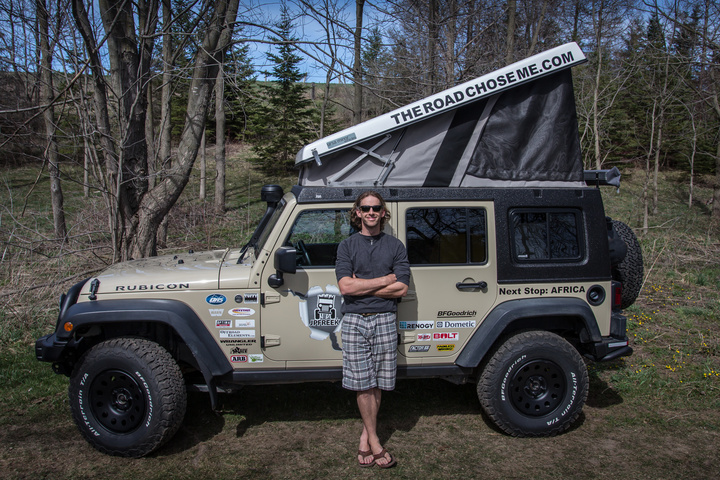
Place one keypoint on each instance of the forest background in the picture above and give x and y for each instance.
(123, 97)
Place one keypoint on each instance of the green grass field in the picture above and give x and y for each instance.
(653, 415)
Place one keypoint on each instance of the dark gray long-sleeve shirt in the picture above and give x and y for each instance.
(371, 257)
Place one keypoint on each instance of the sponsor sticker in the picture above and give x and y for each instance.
(445, 336)
(446, 348)
(424, 337)
(238, 351)
(244, 323)
(251, 298)
(419, 348)
(424, 325)
(215, 299)
(238, 358)
(241, 312)
(238, 298)
(223, 323)
(455, 324)
(237, 333)
(464, 313)
(256, 357)
(216, 312)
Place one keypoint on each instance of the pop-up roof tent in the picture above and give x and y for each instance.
(516, 126)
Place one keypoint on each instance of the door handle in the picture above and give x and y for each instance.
(471, 286)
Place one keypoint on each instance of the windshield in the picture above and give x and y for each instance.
(264, 228)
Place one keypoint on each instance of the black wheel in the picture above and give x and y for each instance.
(127, 396)
(534, 385)
(630, 271)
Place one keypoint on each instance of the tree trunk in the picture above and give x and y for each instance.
(47, 93)
(357, 64)
(510, 42)
(220, 143)
(157, 204)
(203, 166)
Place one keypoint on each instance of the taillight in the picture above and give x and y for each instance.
(616, 294)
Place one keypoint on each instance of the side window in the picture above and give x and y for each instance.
(546, 236)
(316, 235)
(442, 236)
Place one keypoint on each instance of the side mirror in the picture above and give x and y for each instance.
(285, 258)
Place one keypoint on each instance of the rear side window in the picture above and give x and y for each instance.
(546, 236)
(442, 236)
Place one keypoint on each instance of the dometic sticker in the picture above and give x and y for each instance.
(158, 286)
(223, 323)
(237, 333)
(461, 314)
(256, 357)
(241, 312)
(452, 324)
(244, 323)
(216, 312)
(238, 358)
(445, 336)
(419, 348)
(319, 311)
(446, 348)
(251, 298)
(423, 337)
(424, 325)
(215, 299)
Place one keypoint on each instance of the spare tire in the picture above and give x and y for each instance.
(629, 271)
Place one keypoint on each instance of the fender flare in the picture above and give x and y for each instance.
(513, 313)
(173, 313)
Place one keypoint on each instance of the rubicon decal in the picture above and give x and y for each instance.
(215, 299)
(158, 286)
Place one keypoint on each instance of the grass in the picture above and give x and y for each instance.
(655, 414)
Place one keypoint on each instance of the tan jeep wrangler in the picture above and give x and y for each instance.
(516, 272)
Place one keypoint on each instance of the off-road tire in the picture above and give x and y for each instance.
(534, 385)
(127, 396)
(630, 271)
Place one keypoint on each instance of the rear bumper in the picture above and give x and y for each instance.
(615, 345)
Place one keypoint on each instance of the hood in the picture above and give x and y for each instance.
(188, 271)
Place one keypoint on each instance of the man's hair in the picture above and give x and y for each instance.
(355, 221)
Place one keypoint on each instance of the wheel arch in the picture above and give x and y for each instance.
(140, 318)
(562, 315)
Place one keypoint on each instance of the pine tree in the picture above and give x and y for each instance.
(286, 120)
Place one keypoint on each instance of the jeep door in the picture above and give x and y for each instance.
(451, 248)
(300, 320)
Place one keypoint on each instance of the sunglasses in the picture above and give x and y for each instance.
(366, 208)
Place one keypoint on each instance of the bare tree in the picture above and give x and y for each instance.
(47, 95)
(136, 209)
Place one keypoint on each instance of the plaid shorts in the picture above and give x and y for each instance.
(369, 351)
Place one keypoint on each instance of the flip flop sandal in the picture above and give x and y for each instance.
(389, 464)
(366, 453)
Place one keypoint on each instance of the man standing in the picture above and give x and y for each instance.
(373, 271)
